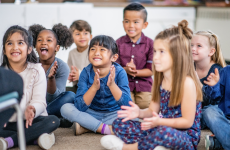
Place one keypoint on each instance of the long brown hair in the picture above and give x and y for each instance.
(178, 38)
(217, 57)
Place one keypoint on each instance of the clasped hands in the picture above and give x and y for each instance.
(131, 68)
(129, 113)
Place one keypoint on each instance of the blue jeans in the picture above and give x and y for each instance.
(218, 124)
(202, 122)
(89, 119)
(53, 108)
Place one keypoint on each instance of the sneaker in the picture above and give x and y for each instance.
(111, 142)
(78, 130)
(3, 144)
(211, 143)
(46, 141)
(64, 123)
(161, 148)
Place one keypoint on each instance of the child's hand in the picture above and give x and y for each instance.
(70, 78)
(53, 71)
(131, 68)
(29, 115)
(213, 78)
(129, 113)
(111, 76)
(150, 122)
(74, 73)
(96, 83)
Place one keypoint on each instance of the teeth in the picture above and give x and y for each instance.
(43, 48)
(15, 54)
(97, 59)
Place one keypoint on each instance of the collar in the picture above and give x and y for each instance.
(141, 40)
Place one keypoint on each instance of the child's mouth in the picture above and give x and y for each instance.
(44, 51)
(15, 54)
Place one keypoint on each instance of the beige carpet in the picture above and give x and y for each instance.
(65, 140)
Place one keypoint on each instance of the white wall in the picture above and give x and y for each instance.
(104, 20)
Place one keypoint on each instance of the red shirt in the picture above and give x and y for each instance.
(142, 51)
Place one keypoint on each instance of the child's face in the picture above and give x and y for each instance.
(201, 49)
(162, 58)
(81, 38)
(100, 56)
(133, 24)
(16, 49)
(46, 45)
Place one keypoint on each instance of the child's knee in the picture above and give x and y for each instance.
(55, 122)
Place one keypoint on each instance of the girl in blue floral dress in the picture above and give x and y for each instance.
(176, 95)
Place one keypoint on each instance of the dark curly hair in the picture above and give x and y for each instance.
(62, 34)
(28, 40)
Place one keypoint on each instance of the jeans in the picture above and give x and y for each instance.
(89, 119)
(202, 122)
(218, 124)
(53, 108)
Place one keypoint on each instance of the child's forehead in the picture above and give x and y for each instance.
(133, 14)
(46, 33)
(77, 31)
(16, 36)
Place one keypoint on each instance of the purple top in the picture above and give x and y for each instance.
(142, 53)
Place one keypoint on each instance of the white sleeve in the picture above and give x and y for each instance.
(39, 92)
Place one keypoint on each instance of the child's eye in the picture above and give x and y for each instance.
(154, 51)
(86, 33)
(191, 45)
(136, 22)
(92, 49)
(77, 34)
(20, 43)
(49, 40)
(162, 51)
(103, 50)
(9, 43)
(199, 45)
(126, 21)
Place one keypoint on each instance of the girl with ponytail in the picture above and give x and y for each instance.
(208, 59)
(176, 94)
(47, 43)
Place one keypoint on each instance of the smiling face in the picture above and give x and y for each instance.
(101, 57)
(201, 49)
(162, 58)
(16, 49)
(133, 24)
(46, 45)
(81, 38)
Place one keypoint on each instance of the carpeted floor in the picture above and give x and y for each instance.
(66, 140)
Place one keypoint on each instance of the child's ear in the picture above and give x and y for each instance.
(114, 57)
(91, 36)
(145, 25)
(57, 48)
(30, 50)
(212, 51)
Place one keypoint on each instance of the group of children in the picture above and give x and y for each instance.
(116, 95)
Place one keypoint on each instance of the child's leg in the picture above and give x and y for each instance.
(133, 96)
(143, 99)
(130, 131)
(53, 108)
(89, 119)
(40, 125)
(218, 124)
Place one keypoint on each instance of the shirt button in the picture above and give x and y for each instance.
(133, 45)
(136, 81)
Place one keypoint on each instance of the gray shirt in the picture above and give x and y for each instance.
(61, 78)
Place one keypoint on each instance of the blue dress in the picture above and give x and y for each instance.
(130, 131)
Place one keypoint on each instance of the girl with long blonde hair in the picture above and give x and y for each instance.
(176, 95)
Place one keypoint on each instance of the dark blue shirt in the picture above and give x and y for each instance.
(103, 100)
(221, 91)
(209, 100)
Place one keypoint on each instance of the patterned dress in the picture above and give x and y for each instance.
(183, 139)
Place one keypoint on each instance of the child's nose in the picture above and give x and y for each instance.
(15, 46)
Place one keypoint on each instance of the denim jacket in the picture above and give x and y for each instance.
(221, 91)
(103, 100)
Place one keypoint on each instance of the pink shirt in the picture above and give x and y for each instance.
(142, 53)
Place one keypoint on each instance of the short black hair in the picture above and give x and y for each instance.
(136, 7)
(80, 25)
(105, 41)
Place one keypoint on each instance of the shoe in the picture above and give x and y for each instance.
(111, 142)
(3, 144)
(46, 141)
(64, 123)
(211, 143)
(78, 130)
(161, 148)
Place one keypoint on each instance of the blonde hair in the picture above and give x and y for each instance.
(178, 38)
(217, 57)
